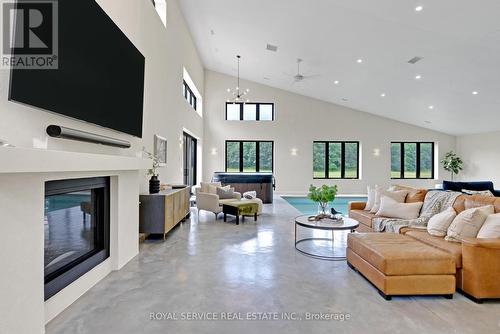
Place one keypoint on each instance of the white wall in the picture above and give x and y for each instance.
(481, 157)
(301, 120)
(167, 51)
(21, 252)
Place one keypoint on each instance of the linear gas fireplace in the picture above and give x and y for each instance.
(76, 226)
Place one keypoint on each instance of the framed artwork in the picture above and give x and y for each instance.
(160, 149)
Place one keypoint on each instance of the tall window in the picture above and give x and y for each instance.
(251, 111)
(412, 160)
(189, 95)
(336, 160)
(249, 156)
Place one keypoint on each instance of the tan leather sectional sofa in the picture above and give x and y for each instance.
(477, 261)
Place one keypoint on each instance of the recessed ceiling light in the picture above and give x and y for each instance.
(419, 8)
(382, 95)
(336, 82)
(431, 107)
(344, 99)
(427, 122)
(475, 92)
(359, 61)
(418, 77)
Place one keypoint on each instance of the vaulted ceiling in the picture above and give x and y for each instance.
(459, 42)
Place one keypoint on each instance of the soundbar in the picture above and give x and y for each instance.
(62, 132)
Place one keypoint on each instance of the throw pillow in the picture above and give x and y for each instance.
(393, 209)
(490, 228)
(414, 194)
(250, 195)
(225, 192)
(468, 223)
(209, 187)
(486, 193)
(439, 223)
(398, 195)
(371, 198)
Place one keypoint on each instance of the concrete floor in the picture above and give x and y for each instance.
(212, 266)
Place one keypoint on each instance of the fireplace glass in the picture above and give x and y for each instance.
(76, 229)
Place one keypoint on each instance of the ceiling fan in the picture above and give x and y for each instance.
(299, 77)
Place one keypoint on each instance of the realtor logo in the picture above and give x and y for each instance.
(29, 34)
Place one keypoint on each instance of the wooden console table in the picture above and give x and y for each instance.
(159, 213)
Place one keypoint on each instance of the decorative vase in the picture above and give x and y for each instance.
(323, 209)
(154, 185)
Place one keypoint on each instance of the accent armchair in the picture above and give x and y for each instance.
(208, 200)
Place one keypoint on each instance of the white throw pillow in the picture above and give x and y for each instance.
(439, 223)
(490, 228)
(371, 198)
(468, 223)
(209, 187)
(250, 195)
(398, 195)
(393, 209)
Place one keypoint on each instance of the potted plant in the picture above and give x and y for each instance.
(322, 195)
(154, 182)
(452, 163)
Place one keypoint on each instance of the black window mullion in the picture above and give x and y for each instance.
(241, 156)
(257, 111)
(342, 160)
(357, 160)
(432, 161)
(227, 156)
(418, 160)
(241, 111)
(402, 153)
(257, 156)
(327, 160)
(272, 156)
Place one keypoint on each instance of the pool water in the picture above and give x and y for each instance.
(308, 207)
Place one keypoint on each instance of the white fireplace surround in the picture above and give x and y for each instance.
(23, 173)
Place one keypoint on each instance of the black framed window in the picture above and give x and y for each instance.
(336, 160)
(412, 160)
(249, 156)
(189, 95)
(251, 111)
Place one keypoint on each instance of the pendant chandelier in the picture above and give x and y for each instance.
(237, 94)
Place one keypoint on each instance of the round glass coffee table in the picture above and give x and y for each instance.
(348, 224)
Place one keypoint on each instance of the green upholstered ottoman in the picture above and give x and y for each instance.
(240, 208)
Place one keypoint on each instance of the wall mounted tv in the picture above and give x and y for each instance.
(100, 75)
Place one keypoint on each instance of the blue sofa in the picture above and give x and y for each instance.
(478, 186)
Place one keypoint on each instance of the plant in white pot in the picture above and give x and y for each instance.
(452, 163)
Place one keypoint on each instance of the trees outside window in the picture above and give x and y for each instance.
(249, 156)
(335, 160)
(412, 160)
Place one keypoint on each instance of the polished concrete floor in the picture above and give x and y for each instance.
(213, 269)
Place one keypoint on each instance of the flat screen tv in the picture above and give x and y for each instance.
(100, 75)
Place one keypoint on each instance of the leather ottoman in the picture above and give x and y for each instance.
(400, 265)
